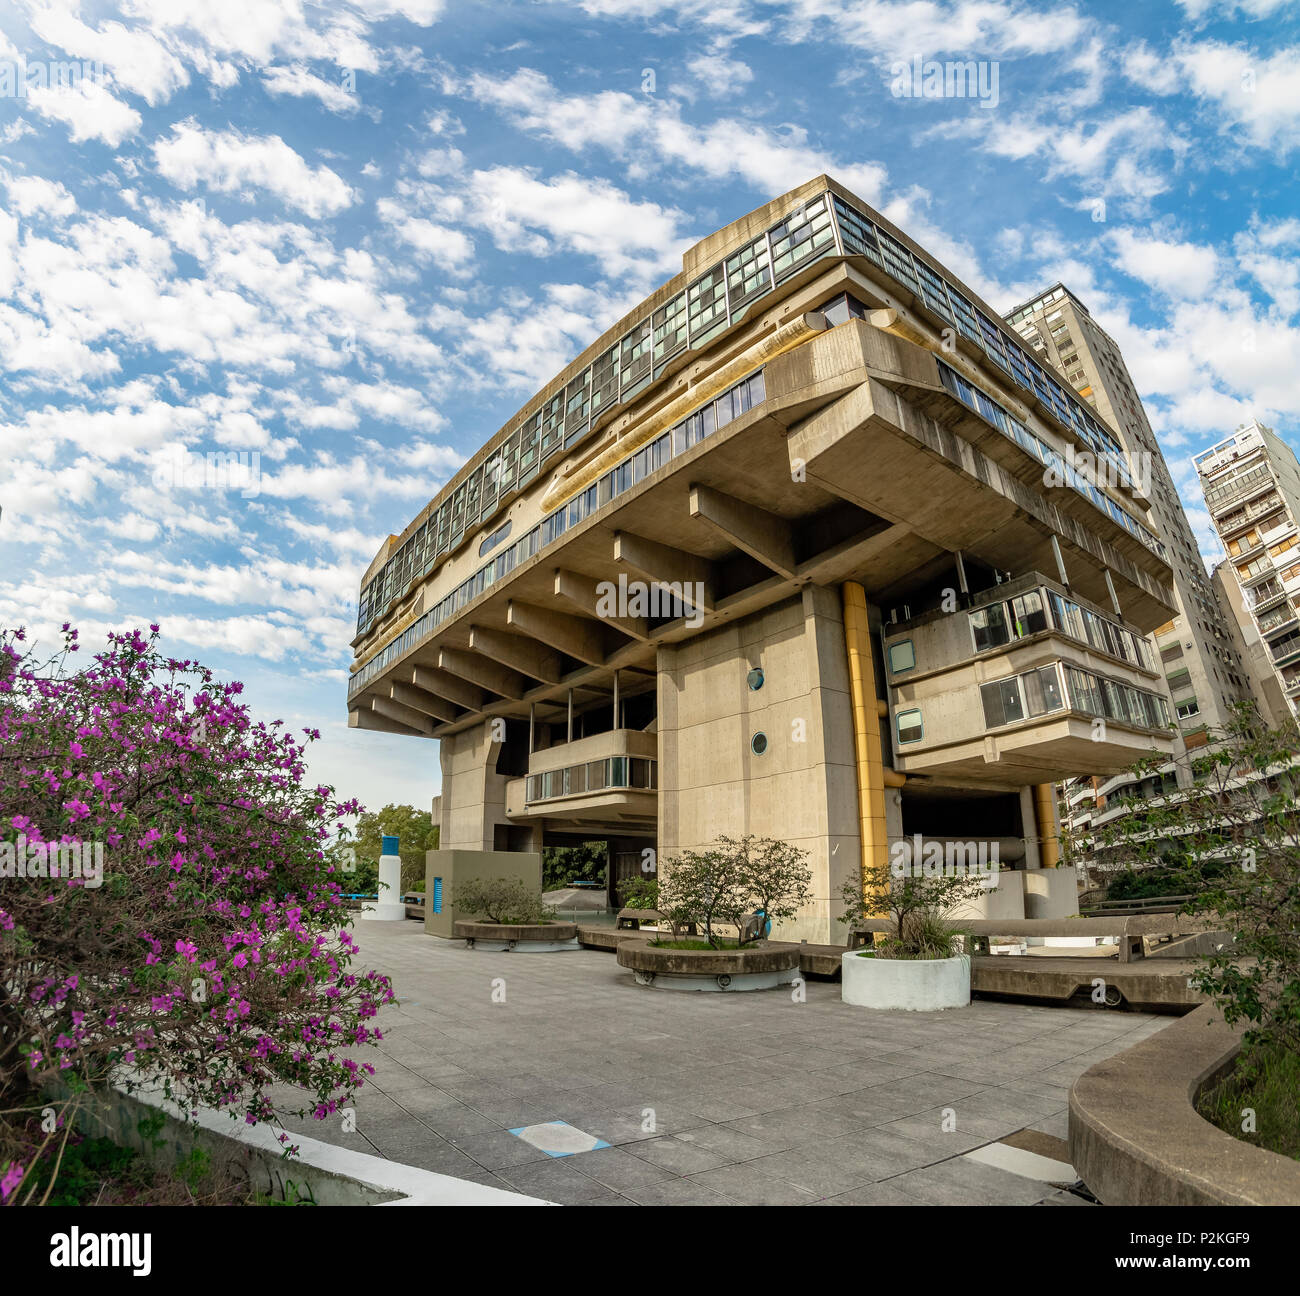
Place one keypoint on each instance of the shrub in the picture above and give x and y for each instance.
(721, 886)
(211, 956)
(501, 900)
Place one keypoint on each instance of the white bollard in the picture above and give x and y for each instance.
(389, 907)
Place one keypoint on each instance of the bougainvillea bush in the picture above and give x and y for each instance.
(212, 956)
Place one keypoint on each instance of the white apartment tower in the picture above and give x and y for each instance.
(1203, 669)
(1251, 482)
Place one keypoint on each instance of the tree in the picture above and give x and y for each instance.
(734, 877)
(416, 833)
(167, 913)
(1230, 839)
(562, 865)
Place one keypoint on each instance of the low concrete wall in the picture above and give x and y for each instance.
(1137, 1140)
(320, 1172)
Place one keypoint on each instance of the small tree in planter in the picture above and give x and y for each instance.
(917, 902)
(506, 901)
(723, 885)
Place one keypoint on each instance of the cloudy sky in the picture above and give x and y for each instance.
(354, 237)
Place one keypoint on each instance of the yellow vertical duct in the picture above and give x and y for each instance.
(1049, 846)
(866, 731)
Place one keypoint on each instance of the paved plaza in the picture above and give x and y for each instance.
(710, 1099)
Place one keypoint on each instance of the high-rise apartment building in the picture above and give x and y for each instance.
(795, 549)
(1251, 483)
(1265, 686)
(1204, 672)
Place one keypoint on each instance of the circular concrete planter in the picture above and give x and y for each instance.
(909, 985)
(518, 938)
(760, 967)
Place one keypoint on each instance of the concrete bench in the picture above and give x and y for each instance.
(1129, 928)
(631, 919)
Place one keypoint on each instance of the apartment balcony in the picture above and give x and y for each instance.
(1228, 529)
(1243, 494)
(1025, 686)
(1285, 651)
(1279, 628)
(607, 778)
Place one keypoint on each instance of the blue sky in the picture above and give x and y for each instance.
(354, 238)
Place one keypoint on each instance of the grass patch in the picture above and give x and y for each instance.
(1265, 1081)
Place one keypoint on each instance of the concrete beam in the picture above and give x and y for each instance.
(570, 634)
(517, 652)
(664, 565)
(445, 685)
(424, 703)
(485, 672)
(585, 594)
(762, 535)
(372, 720)
(406, 715)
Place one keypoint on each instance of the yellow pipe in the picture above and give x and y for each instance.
(1049, 845)
(866, 735)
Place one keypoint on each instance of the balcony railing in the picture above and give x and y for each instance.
(613, 774)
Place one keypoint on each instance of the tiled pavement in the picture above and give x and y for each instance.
(708, 1099)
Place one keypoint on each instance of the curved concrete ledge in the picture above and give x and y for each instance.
(523, 937)
(760, 967)
(1137, 1140)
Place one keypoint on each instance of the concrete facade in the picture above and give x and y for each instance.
(784, 434)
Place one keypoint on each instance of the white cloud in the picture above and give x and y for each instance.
(297, 82)
(441, 245)
(88, 110)
(1182, 270)
(233, 163)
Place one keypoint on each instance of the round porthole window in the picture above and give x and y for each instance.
(758, 744)
(755, 679)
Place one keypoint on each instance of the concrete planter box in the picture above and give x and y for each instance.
(759, 967)
(519, 938)
(909, 985)
(1137, 1139)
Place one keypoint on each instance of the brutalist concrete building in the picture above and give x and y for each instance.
(808, 546)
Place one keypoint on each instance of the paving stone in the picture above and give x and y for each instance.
(680, 1158)
(827, 1093)
(968, 1183)
(749, 1187)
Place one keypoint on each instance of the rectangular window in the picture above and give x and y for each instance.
(1029, 613)
(1068, 617)
(1085, 691)
(1042, 691)
(989, 627)
(902, 657)
(909, 726)
(1002, 704)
